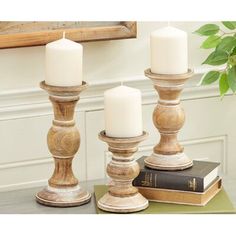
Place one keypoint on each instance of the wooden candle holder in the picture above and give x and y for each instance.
(63, 142)
(168, 118)
(122, 196)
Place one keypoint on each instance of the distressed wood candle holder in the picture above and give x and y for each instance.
(168, 118)
(122, 196)
(63, 140)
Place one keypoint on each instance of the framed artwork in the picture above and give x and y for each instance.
(35, 33)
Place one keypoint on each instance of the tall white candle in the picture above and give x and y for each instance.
(64, 63)
(169, 51)
(123, 112)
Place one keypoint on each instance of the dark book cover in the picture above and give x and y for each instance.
(191, 179)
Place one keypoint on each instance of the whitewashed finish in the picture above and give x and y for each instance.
(209, 136)
(209, 132)
(9, 203)
(24, 108)
(26, 161)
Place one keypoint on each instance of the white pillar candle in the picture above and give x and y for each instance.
(169, 51)
(123, 112)
(64, 63)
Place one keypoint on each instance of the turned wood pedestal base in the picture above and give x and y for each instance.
(122, 196)
(118, 204)
(63, 140)
(63, 197)
(168, 118)
(168, 162)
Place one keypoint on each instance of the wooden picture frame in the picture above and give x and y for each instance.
(24, 34)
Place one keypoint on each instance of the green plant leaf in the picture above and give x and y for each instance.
(210, 77)
(223, 84)
(233, 51)
(232, 60)
(211, 42)
(227, 44)
(229, 24)
(208, 29)
(216, 58)
(232, 78)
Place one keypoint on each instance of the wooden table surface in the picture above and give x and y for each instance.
(23, 201)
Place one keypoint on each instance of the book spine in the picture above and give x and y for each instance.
(167, 181)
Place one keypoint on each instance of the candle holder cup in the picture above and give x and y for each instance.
(63, 141)
(168, 118)
(122, 196)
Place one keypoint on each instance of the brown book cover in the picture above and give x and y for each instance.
(219, 204)
(191, 179)
(182, 197)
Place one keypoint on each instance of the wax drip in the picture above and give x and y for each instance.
(64, 34)
(168, 23)
(121, 83)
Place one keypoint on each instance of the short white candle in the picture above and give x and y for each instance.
(64, 63)
(169, 51)
(123, 112)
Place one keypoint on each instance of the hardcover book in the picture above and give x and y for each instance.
(219, 204)
(182, 197)
(196, 178)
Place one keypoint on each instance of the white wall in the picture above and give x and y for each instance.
(25, 112)
(106, 60)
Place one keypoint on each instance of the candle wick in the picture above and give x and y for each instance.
(64, 34)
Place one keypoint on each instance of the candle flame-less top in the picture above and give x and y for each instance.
(123, 112)
(169, 51)
(64, 63)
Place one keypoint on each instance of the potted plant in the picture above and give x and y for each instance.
(222, 39)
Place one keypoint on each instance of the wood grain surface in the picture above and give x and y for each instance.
(63, 142)
(27, 33)
(122, 196)
(168, 117)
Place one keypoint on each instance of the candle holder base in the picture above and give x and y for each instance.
(168, 162)
(63, 140)
(123, 204)
(67, 197)
(168, 118)
(122, 196)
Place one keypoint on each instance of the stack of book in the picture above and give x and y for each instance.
(194, 186)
